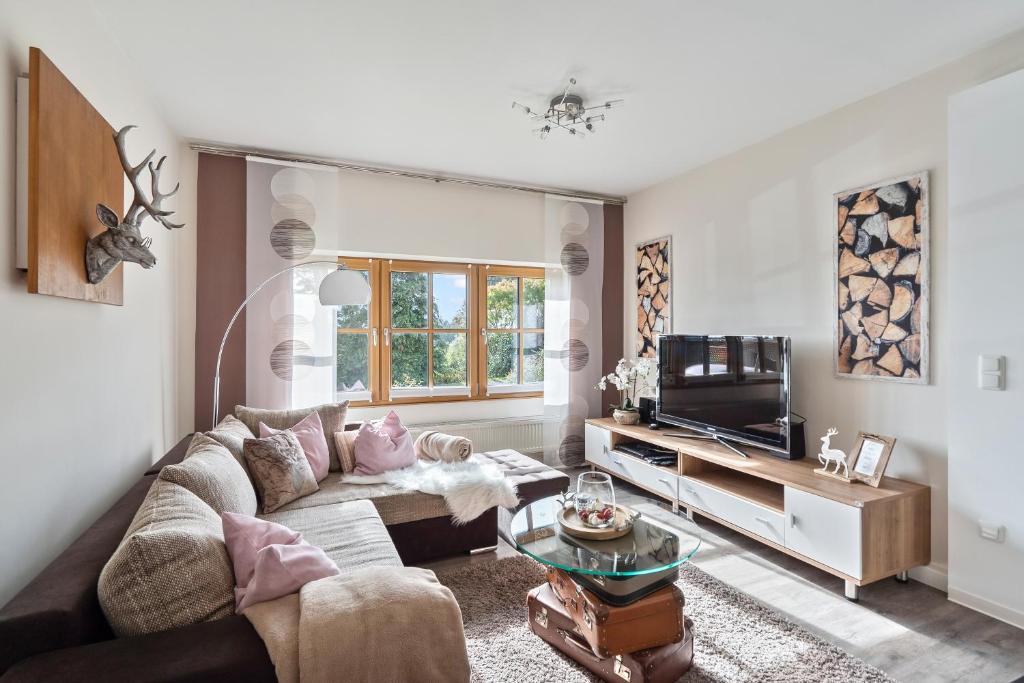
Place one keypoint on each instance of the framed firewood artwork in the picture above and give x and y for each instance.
(881, 281)
(653, 293)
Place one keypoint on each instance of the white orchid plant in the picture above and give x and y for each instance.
(630, 378)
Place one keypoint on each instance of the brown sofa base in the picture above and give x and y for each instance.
(224, 650)
(432, 539)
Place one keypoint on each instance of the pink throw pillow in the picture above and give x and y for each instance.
(310, 433)
(383, 446)
(282, 570)
(270, 560)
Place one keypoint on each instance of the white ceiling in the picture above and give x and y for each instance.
(429, 84)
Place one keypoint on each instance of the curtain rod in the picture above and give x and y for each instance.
(404, 173)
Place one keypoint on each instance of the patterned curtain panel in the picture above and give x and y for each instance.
(572, 325)
(289, 335)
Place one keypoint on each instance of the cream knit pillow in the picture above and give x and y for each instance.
(171, 569)
(210, 472)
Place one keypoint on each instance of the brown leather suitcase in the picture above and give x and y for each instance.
(550, 621)
(651, 621)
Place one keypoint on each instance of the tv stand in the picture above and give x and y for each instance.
(856, 532)
(709, 437)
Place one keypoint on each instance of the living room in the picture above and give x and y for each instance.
(514, 335)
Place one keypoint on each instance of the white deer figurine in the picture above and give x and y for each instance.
(828, 454)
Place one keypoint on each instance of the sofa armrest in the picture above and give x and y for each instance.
(171, 457)
(224, 650)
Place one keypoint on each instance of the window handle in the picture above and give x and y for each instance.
(375, 336)
(483, 334)
(387, 336)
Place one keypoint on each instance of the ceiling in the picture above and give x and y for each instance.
(429, 84)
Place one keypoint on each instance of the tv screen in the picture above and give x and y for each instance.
(735, 387)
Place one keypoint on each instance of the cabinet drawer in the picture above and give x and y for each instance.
(757, 519)
(599, 452)
(824, 530)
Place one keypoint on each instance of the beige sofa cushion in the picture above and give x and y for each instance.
(210, 472)
(395, 505)
(332, 416)
(352, 534)
(171, 569)
(279, 469)
(345, 442)
(231, 433)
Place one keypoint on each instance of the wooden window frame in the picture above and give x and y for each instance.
(380, 332)
(522, 274)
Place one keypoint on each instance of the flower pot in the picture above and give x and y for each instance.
(626, 417)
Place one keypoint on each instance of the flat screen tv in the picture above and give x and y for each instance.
(728, 387)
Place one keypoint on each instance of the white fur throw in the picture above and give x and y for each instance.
(470, 487)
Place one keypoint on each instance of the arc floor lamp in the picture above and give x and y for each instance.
(343, 287)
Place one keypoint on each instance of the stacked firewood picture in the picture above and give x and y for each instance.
(882, 281)
(653, 288)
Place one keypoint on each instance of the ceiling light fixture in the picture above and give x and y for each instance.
(567, 112)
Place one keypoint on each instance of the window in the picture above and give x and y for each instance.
(513, 313)
(441, 332)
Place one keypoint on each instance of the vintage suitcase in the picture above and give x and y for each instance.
(651, 621)
(550, 621)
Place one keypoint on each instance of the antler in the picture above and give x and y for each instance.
(832, 431)
(159, 197)
(140, 201)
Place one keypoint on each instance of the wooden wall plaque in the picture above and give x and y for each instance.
(72, 166)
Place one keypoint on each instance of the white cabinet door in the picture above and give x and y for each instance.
(596, 444)
(824, 530)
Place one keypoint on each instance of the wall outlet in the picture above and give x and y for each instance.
(991, 531)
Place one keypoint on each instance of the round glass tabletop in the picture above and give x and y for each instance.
(650, 547)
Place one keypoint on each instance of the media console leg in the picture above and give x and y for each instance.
(903, 576)
(852, 591)
(689, 514)
(675, 506)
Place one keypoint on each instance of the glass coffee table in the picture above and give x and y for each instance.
(618, 571)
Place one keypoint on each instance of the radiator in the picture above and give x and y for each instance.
(525, 435)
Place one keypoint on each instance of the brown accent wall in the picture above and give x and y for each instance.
(220, 282)
(611, 297)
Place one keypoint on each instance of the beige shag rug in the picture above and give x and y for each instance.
(735, 638)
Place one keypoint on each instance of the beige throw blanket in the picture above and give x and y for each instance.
(431, 445)
(378, 624)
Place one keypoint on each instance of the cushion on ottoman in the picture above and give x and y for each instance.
(171, 569)
(332, 417)
(210, 472)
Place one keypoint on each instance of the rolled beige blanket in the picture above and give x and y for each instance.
(431, 445)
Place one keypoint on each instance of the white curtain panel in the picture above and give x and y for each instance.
(574, 239)
(289, 336)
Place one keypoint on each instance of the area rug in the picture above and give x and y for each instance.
(736, 639)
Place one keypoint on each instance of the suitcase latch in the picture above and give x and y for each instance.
(541, 617)
(620, 669)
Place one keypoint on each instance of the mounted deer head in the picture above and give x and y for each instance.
(123, 240)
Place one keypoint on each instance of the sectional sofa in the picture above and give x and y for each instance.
(55, 628)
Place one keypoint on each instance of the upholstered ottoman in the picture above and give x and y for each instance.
(533, 479)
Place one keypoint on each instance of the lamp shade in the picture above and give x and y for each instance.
(344, 288)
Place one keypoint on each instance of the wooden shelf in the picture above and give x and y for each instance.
(758, 491)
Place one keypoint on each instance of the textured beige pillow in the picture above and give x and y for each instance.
(346, 444)
(171, 569)
(279, 469)
(231, 433)
(332, 416)
(210, 472)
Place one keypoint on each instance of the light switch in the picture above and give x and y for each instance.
(990, 372)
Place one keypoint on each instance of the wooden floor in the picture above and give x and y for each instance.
(910, 631)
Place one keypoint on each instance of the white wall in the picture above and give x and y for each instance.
(383, 214)
(752, 243)
(986, 467)
(91, 394)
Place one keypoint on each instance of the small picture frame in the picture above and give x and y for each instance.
(869, 457)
